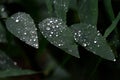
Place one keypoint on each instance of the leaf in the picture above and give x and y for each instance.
(108, 7)
(2, 34)
(58, 34)
(22, 26)
(6, 62)
(8, 67)
(49, 4)
(61, 7)
(112, 26)
(15, 72)
(88, 11)
(88, 36)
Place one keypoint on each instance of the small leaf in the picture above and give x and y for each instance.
(88, 11)
(112, 26)
(8, 68)
(61, 7)
(23, 27)
(6, 62)
(2, 34)
(92, 40)
(55, 31)
(15, 72)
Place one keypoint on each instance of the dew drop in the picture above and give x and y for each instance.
(95, 42)
(16, 20)
(114, 60)
(47, 28)
(84, 44)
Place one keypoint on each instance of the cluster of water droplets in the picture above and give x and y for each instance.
(52, 29)
(63, 4)
(83, 37)
(89, 37)
(58, 34)
(23, 27)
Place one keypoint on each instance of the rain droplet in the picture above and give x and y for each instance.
(114, 60)
(95, 41)
(16, 20)
(47, 28)
(84, 44)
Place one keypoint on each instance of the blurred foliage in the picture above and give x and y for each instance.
(59, 21)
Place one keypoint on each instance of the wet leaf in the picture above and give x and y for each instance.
(61, 7)
(23, 27)
(6, 62)
(88, 36)
(2, 34)
(58, 34)
(8, 67)
(88, 11)
(15, 72)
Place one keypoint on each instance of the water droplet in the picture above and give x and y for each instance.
(98, 45)
(16, 20)
(56, 35)
(114, 60)
(47, 28)
(95, 41)
(51, 32)
(25, 33)
(23, 27)
(84, 44)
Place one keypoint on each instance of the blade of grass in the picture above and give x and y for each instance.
(112, 26)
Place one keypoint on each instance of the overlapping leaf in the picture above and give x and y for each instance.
(92, 40)
(59, 34)
(61, 7)
(8, 68)
(23, 27)
(88, 11)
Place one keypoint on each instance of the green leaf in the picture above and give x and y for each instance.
(49, 4)
(108, 7)
(61, 7)
(58, 34)
(8, 68)
(88, 36)
(15, 72)
(22, 26)
(112, 26)
(2, 34)
(88, 11)
(6, 62)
